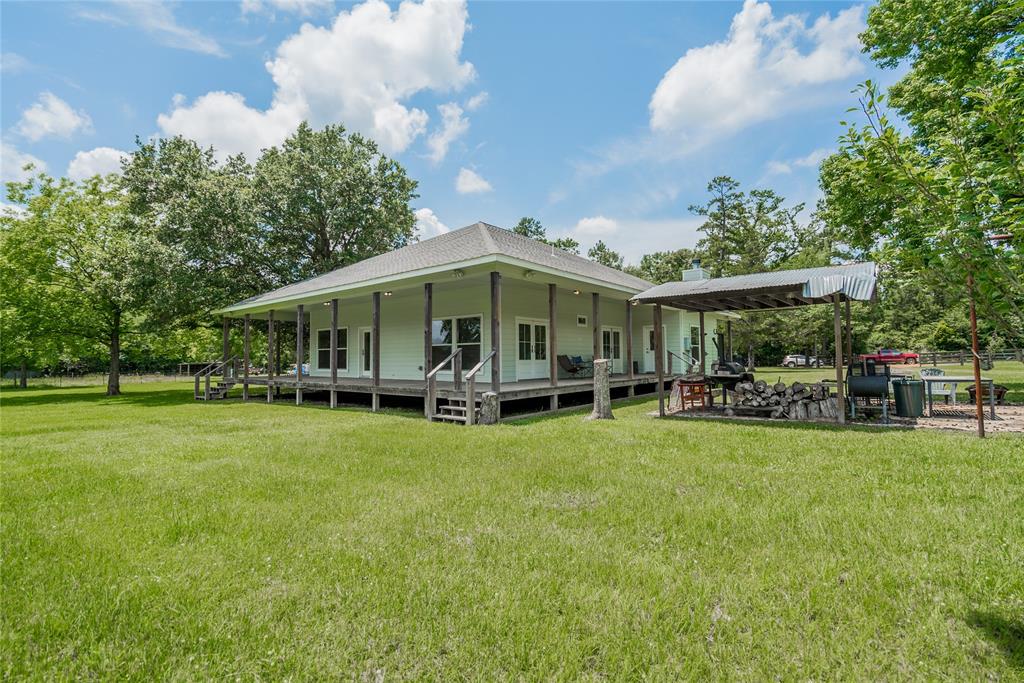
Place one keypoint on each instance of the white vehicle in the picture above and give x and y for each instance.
(795, 359)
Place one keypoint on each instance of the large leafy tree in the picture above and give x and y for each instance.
(81, 259)
(605, 255)
(327, 199)
(202, 214)
(532, 228)
(933, 169)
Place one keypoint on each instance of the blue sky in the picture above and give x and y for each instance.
(603, 120)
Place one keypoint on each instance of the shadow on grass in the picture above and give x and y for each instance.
(1007, 634)
(68, 395)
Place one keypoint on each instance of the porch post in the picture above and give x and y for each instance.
(496, 334)
(629, 339)
(334, 352)
(595, 319)
(246, 324)
(849, 335)
(225, 345)
(428, 328)
(553, 334)
(375, 405)
(270, 356)
(703, 343)
(659, 362)
(300, 350)
(840, 389)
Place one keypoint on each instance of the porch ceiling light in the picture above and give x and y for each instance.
(635, 302)
(387, 293)
(528, 274)
(458, 272)
(576, 292)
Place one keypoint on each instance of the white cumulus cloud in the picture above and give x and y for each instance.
(470, 182)
(759, 72)
(811, 160)
(99, 161)
(453, 126)
(358, 71)
(476, 101)
(595, 226)
(51, 116)
(13, 162)
(428, 224)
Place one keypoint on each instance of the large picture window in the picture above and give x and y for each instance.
(450, 333)
(323, 345)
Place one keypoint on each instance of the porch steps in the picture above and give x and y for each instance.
(455, 411)
(218, 391)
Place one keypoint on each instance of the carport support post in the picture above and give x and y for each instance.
(840, 389)
(300, 351)
(849, 334)
(595, 314)
(629, 341)
(334, 352)
(247, 321)
(270, 356)
(703, 343)
(659, 345)
(375, 344)
(728, 334)
(225, 346)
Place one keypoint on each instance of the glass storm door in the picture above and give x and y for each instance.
(366, 351)
(531, 349)
(611, 346)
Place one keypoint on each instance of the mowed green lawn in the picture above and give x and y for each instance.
(149, 536)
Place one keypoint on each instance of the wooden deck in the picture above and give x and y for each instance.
(510, 391)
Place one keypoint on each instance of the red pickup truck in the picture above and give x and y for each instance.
(892, 356)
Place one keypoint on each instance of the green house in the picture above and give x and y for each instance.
(531, 316)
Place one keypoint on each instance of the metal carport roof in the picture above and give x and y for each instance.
(762, 291)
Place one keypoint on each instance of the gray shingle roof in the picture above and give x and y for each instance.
(472, 242)
(853, 280)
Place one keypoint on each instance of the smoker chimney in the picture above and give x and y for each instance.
(695, 272)
(695, 263)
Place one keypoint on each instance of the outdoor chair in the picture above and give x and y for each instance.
(576, 366)
(947, 389)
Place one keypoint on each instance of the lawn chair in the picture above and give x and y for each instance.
(947, 389)
(576, 366)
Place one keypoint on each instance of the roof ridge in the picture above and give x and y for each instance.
(485, 233)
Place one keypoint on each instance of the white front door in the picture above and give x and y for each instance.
(611, 346)
(649, 347)
(531, 349)
(366, 351)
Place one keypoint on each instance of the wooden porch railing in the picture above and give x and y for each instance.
(471, 387)
(455, 359)
(231, 374)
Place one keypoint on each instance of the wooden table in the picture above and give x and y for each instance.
(941, 379)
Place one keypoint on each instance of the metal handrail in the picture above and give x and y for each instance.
(690, 361)
(471, 387)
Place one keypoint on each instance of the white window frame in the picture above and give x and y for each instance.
(455, 334)
(348, 341)
(582, 320)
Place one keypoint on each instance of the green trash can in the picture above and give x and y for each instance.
(909, 395)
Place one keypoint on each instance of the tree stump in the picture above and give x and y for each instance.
(488, 408)
(602, 391)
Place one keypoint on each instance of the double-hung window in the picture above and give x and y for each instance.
(323, 346)
(464, 333)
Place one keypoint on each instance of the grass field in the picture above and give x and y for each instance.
(149, 536)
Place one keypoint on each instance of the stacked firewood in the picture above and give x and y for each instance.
(797, 401)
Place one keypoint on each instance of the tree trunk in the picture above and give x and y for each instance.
(23, 380)
(114, 379)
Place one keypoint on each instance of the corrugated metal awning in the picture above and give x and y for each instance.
(760, 291)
